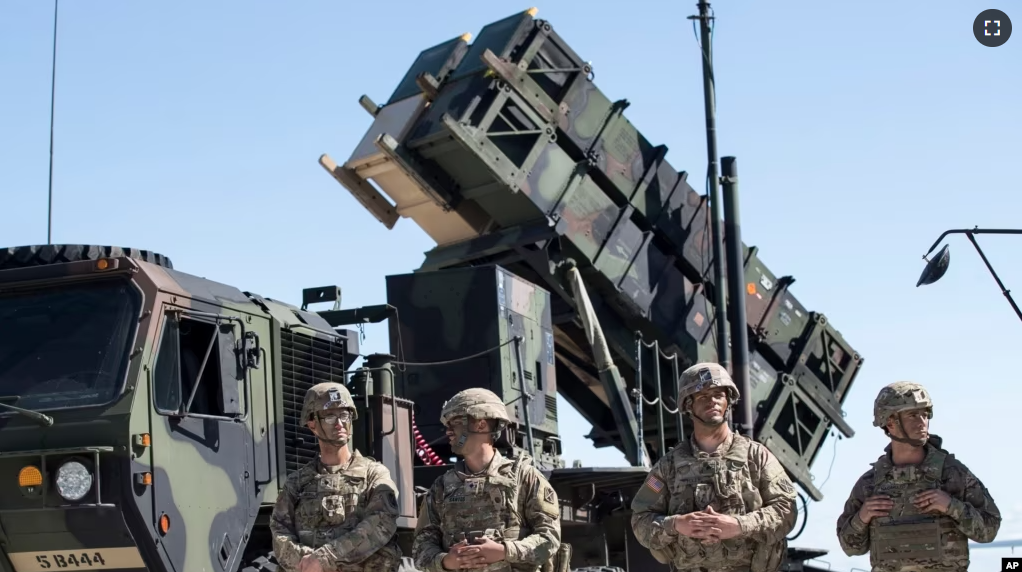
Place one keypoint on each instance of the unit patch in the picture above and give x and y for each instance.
(548, 501)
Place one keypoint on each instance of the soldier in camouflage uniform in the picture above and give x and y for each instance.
(505, 504)
(917, 508)
(338, 513)
(719, 501)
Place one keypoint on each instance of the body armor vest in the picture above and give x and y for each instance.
(727, 484)
(486, 505)
(332, 505)
(907, 540)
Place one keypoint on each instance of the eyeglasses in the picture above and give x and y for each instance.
(331, 418)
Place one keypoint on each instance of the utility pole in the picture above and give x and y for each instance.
(717, 248)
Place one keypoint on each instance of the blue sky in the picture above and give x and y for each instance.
(862, 131)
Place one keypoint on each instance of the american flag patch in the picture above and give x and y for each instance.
(655, 484)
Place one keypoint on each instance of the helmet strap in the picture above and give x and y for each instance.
(321, 433)
(724, 414)
(905, 439)
(467, 430)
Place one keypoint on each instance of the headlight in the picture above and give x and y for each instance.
(73, 480)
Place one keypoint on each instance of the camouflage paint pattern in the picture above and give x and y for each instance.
(742, 479)
(972, 515)
(703, 376)
(228, 467)
(345, 517)
(476, 403)
(899, 397)
(587, 113)
(510, 502)
(449, 314)
(522, 132)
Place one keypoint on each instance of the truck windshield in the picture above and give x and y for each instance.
(67, 345)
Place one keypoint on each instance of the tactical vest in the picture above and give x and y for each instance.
(727, 484)
(907, 540)
(488, 504)
(332, 505)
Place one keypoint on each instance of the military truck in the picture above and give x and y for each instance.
(150, 415)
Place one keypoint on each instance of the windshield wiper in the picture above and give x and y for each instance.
(41, 418)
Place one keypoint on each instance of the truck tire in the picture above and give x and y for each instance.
(41, 255)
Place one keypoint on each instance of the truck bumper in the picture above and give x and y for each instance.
(51, 539)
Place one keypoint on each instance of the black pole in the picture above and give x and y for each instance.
(970, 233)
(1005, 291)
(717, 248)
(53, 91)
(735, 281)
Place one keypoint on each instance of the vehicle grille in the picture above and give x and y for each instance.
(305, 361)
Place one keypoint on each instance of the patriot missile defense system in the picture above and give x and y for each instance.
(505, 151)
(150, 416)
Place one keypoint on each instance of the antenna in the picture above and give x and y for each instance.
(710, 103)
(53, 90)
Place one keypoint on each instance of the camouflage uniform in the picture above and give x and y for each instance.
(344, 515)
(742, 478)
(929, 541)
(510, 501)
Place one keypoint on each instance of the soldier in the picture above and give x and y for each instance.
(719, 501)
(338, 513)
(918, 506)
(488, 512)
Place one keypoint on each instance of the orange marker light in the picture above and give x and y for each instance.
(29, 477)
(751, 288)
(164, 524)
(102, 264)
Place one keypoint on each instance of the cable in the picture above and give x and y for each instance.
(456, 360)
(423, 449)
(805, 517)
(833, 457)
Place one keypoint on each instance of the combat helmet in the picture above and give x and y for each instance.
(898, 397)
(705, 375)
(328, 395)
(477, 403)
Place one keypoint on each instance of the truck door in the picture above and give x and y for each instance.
(201, 439)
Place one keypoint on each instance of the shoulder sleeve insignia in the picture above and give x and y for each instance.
(655, 484)
(548, 495)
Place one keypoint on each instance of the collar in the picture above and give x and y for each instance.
(491, 470)
(721, 449)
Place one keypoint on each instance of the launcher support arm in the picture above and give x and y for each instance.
(610, 378)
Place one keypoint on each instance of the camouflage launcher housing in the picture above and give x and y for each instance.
(149, 417)
(505, 152)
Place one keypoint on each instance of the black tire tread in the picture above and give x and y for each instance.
(41, 255)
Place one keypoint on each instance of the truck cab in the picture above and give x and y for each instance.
(135, 409)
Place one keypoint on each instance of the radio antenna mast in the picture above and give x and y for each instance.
(53, 90)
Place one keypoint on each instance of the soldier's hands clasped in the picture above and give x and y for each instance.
(696, 525)
(725, 525)
(876, 505)
(466, 556)
(310, 563)
(933, 500)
